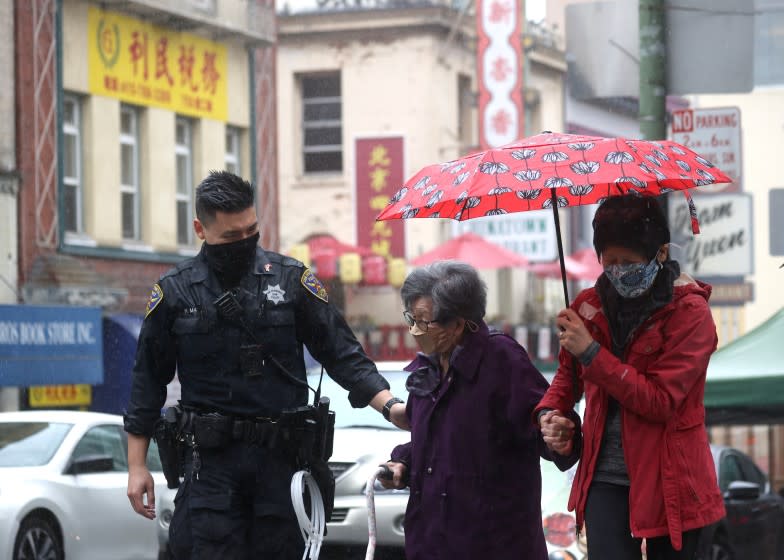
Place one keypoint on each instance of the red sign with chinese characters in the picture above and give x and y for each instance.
(379, 174)
(146, 64)
(499, 72)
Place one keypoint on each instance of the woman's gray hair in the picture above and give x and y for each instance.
(455, 288)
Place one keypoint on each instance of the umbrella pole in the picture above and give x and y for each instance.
(575, 387)
(554, 199)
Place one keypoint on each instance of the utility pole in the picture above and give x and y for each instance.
(653, 65)
(653, 75)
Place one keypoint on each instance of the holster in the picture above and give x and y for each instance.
(325, 480)
(309, 431)
(166, 434)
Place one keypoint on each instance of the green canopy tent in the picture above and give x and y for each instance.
(745, 383)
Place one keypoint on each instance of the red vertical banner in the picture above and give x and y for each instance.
(499, 67)
(379, 174)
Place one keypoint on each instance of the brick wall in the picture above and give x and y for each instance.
(34, 208)
(137, 277)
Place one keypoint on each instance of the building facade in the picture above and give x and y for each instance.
(9, 178)
(122, 107)
(402, 76)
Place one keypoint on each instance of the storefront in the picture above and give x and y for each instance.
(56, 349)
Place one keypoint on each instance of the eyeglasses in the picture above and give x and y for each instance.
(421, 324)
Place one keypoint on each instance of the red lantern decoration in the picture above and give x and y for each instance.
(374, 270)
(325, 264)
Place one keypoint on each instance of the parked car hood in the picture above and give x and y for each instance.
(354, 444)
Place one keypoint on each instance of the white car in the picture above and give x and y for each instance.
(363, 440)
(63, 483)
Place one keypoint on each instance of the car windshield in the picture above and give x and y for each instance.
(30, 444)
(347, 416)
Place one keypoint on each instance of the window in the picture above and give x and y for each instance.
(153, 457)
(752, 473)
(183, 149)
(768, 43)
(103, 441)
(322, 131)
(129, 171)
(72, 165)
(729, 471)
(232, 158)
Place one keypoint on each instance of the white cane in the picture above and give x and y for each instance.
(385, 473)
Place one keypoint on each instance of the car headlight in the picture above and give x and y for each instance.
(559, 529)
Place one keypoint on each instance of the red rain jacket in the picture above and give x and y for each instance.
(660, 386)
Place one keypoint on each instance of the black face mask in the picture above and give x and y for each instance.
(231, 261)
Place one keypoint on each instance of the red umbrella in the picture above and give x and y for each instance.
(474, 250)
(326, 243)
(580, 265)
(550, 171)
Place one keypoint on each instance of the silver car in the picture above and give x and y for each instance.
(363, 440)
(63, 483)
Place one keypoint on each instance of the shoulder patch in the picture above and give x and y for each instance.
(314, 285)
(156, 297)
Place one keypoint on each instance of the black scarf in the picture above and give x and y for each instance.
(626, 314)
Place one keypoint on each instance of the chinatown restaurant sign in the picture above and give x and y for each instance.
(42, 345)
(379, 174)
(145, 64)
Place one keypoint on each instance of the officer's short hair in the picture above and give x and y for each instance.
(222, 191)
(455, 288)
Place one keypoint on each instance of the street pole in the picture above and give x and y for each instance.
(653, 64)
(653, 75)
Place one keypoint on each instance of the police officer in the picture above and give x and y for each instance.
(245, 368)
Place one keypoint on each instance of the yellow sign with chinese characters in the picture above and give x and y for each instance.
(60, 395)
(146, 64)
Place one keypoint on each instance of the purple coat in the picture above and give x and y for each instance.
(473, 459)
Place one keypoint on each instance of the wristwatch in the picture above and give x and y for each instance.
(388, 407)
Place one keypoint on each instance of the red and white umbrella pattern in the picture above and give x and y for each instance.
(521, 176)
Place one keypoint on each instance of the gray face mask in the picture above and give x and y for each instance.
(632, 280)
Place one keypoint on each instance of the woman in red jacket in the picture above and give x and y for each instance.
(640, 339)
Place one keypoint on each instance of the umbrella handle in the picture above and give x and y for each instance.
(554, 199)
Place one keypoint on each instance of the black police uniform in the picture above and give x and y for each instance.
(234, 501)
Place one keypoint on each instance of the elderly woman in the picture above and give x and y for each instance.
(642, 338)
(473, 460)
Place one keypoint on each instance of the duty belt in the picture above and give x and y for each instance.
(214, 430)
(261, 432)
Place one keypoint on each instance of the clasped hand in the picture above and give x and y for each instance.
(557, 431)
